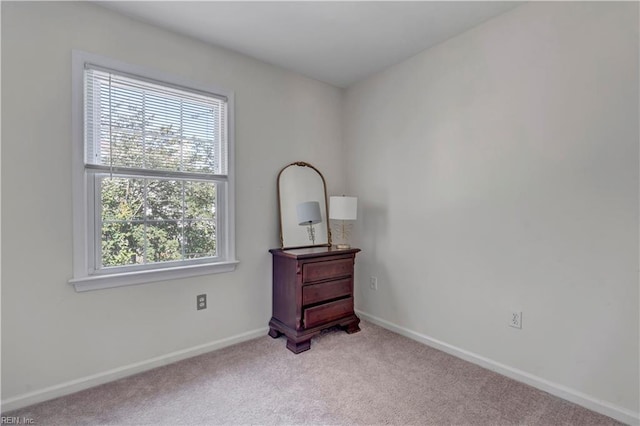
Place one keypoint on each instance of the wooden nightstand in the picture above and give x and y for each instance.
(312, 290)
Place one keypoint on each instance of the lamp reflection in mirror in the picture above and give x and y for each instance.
(308, 215)
(343, 208)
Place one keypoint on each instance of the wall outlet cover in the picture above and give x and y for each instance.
(515, 319)
(201, 301)
(373, 283)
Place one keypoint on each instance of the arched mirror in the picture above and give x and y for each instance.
(302, 199)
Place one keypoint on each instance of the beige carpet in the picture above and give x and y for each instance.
(371, 377)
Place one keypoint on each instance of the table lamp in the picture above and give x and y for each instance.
(343, 208)
(308, 215)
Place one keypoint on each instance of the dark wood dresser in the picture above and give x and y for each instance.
(312, 290)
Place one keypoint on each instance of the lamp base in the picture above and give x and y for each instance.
(343, 246)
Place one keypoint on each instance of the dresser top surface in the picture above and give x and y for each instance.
(302, 253)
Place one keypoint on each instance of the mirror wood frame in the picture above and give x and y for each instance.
(324, 210)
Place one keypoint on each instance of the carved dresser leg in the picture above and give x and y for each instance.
(297, 347)
(274, 333)
(353, 327)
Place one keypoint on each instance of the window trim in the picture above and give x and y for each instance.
(83, 225)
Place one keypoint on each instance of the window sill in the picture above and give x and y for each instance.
(98, 282)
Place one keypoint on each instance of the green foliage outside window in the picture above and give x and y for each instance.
(149, 220)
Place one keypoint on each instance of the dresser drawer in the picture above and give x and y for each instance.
(315, 293)
(317, 271)
(321, 314)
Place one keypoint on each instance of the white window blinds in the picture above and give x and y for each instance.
(135, 125)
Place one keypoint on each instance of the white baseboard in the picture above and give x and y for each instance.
(572, 395)
(72, 386)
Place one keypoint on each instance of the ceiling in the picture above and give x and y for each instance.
(335, 42)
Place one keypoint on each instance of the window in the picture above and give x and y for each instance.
(153, 176)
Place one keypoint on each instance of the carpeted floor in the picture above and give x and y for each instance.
(367, 378)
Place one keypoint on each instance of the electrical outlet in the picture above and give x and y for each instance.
(373, 283)
(201, 301)
(515, 319)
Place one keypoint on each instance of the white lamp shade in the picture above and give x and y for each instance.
(309, 213)
(343, 208)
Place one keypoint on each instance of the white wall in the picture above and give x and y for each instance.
(499, 171)
(53, 336)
